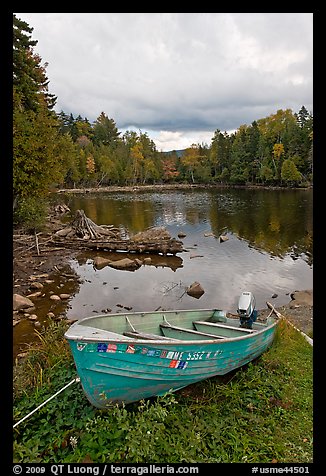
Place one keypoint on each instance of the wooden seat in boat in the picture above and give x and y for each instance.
(225, 330)
(183, 333)
(144, 335)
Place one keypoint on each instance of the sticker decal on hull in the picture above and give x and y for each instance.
(177, 359)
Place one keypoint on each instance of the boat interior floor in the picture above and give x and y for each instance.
(195, 330)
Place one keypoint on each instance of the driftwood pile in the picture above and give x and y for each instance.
(85, 234)
(84, 228)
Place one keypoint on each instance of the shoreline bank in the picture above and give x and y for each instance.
(174, 186)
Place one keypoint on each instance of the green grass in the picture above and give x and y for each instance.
(261, 413)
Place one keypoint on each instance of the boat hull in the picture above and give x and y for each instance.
(120, 371)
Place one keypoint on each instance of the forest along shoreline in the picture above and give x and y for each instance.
(33, 264)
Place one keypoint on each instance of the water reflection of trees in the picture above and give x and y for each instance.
(276, 221)
(279, 222)
(105, 209)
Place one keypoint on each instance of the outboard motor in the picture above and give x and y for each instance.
(246, 310)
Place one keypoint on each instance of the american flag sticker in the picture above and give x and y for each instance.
(178, 364)
(182, 364)
(173, 364)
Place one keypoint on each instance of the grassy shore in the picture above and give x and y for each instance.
(260, 413)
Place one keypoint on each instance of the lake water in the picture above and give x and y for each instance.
(268, 251)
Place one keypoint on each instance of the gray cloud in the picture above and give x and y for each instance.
(176, 71)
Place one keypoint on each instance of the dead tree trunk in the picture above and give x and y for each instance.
(84, 227)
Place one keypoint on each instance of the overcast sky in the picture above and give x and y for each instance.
(176, 76)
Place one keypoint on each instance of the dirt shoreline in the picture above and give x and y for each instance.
(299, 313)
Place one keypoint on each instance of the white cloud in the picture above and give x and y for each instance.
(167, 139)
(182, 73)
(175, 140)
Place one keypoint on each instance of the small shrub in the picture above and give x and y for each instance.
(30, 213)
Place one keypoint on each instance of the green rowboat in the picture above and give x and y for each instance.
(125, 357)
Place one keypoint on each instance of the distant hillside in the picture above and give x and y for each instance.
(179, 152)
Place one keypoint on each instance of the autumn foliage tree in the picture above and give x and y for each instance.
(169, 165)
(38, 158)
(278, 152)
(191, 160)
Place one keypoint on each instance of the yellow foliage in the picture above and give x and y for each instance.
(278, 150)
(90, 165)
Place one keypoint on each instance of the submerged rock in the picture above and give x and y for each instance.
(223, 238)
(34, 295)
(195, 290)
(36, 285)
(55, 297)
(64, 296)
(32, 317)
(100, 262)
(126, 263)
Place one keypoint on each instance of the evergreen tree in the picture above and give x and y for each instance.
(240, 156)
(64, 124)
(35, 126)
(105, 131)
(219, 155)
(303, 117)
(290, 173)
(29, 76)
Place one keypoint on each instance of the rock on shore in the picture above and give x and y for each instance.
(299, 310)
(21, 302)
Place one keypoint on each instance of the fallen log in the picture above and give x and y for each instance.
(171, 246)
(83, 233)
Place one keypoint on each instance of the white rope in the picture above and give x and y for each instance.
(308, 339)
(77, 379)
